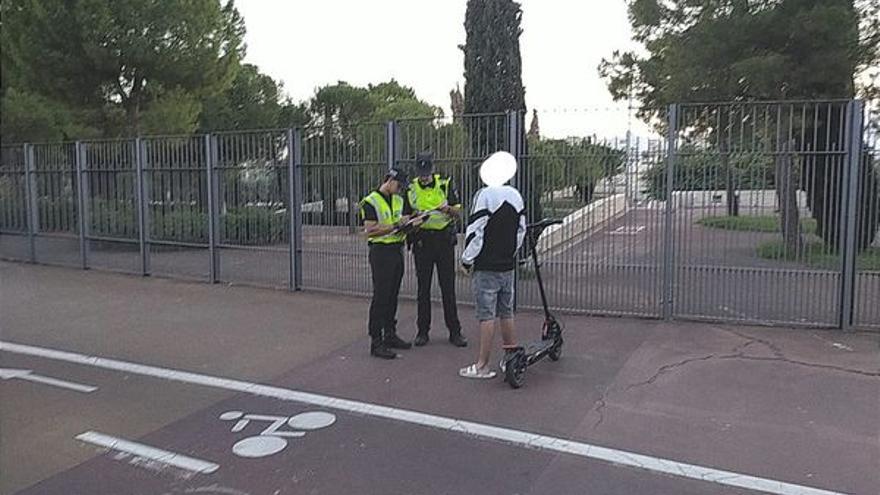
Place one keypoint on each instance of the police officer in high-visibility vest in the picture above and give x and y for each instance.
(433, 244)
(386, 217)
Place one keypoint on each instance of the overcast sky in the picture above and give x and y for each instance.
(309, 43)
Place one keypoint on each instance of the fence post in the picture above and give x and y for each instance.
(514, 139)
(391, 149)
(668, 246)
(513, 147)
(294, 207)
(143, 240)
(31, 206)
(848, 211)
(213, 217)
(82, 195)
(291, 220)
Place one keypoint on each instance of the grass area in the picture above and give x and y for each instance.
(816, 254)
(768, 223)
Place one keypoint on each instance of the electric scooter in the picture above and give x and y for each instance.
(518, 358)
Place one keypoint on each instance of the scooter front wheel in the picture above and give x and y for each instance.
(553, 330)
(556, 352)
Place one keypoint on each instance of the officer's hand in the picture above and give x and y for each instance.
(466, 269)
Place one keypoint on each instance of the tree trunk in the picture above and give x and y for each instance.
(134, 100)
(824, 188)
(786, 190)
(730, 182)
(136, 119)
(868, 209)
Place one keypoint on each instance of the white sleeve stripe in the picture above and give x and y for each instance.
(520, 231)
(474, 236)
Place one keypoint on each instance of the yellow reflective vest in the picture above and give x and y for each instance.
(387, 215)
(430, 198)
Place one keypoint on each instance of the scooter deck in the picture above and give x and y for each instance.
(538, 346)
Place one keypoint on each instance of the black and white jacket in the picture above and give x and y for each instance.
(496, 230)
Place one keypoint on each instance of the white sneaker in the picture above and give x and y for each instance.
(473, 372)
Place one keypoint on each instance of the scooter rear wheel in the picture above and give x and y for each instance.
(515, 371)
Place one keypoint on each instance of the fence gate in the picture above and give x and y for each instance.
(866, 296)
(606, 257)
(760, 198)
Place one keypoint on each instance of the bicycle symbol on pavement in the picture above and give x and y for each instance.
(273, 439)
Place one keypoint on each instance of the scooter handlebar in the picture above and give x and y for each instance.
(544, 223)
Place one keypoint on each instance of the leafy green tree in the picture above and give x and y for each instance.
(140, 56)
(253, 101)
(29, 117)
(574, 163)
(493, 84)
(345, 126)
(700, 170)
(492, 61)
(711, 50)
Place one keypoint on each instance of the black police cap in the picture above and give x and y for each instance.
(398, 175)
(424, 163)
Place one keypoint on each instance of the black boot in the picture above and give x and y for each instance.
(421, 339)
(379, 350)
(458, 340)
(392, 341)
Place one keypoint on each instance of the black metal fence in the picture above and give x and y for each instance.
(757, 212)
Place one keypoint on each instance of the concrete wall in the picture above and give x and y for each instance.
(751, 202)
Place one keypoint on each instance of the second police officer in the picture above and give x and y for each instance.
(433, 245)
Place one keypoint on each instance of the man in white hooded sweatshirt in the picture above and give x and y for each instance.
(494, 235)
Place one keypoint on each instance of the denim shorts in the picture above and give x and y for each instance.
(493, 294)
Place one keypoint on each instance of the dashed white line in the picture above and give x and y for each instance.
(147, 452)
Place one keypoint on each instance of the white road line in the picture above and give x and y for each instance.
(8, 373)
(147, 452)
(478, 430)
(60, 383)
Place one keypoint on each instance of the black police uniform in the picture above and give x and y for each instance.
(386, 267)
(436, 248)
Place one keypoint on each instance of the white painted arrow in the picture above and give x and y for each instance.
(10, 373)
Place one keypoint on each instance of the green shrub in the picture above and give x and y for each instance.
(254, 226)
(183, 224)
(754, 223)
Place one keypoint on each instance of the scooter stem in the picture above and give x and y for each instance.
(534, 249)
